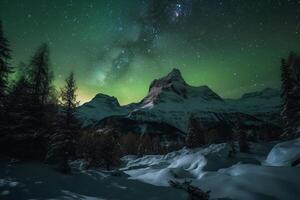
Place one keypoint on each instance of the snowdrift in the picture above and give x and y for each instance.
(284, 154)
(227, 178)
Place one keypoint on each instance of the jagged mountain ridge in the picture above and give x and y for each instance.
(174, 88)
(172, 100)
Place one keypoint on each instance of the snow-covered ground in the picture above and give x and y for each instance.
(19, 181)
(245, 176)
(258, 175)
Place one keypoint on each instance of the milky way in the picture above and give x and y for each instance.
(118, 47)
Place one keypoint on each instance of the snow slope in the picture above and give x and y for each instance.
(227, 178)
(99, 107)
(23, 181)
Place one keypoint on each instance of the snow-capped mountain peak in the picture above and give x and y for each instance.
(173, 87)
(99, 107)
(172, 100)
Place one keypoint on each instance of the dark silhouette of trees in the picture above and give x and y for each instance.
(62, 144)
(5, 71)
(30, 110)
(286, 95)
(145, 145)
(5, 68)
(195, 136)
(69, 101)
(99, 149)
(41, 76)
(129, 144)
(290, 79)
(242, 140)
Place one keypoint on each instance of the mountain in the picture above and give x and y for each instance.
(173, 88)
(171, 100)
(264, 105)
(99, 107)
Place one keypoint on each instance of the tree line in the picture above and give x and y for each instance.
(36, 121)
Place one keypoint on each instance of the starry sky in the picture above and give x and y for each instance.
(118, 47)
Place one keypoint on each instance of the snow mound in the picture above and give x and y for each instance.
(227, 178)
(284, 154)
(248, 182)
(185, 163)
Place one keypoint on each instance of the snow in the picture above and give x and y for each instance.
(284, 154)
(99, 107)
(159, 169)
(8, 182)
(71, 195)
(210, 169)
(247, 182)
(82, 184)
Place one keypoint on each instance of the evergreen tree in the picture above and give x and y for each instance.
(19, 107)
(286, 94)
(40, 76)
(195, 136)
(30, 109)
(5, 68)
(290, 94)
(69, 102)
(62, 142)
(294, 62)
(17, 120)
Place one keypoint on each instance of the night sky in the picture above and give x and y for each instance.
(118, 47)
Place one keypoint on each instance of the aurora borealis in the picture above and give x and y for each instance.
(118, 47)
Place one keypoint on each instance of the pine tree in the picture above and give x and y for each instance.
(290, 76)
(294, 62)
(40, 76)
(17, 119)
(69, 102)
(195, 136)
(286, 95)
(5, 68)
(19, 107)
(62, 142)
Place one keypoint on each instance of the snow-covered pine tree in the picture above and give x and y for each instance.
(195, 136)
